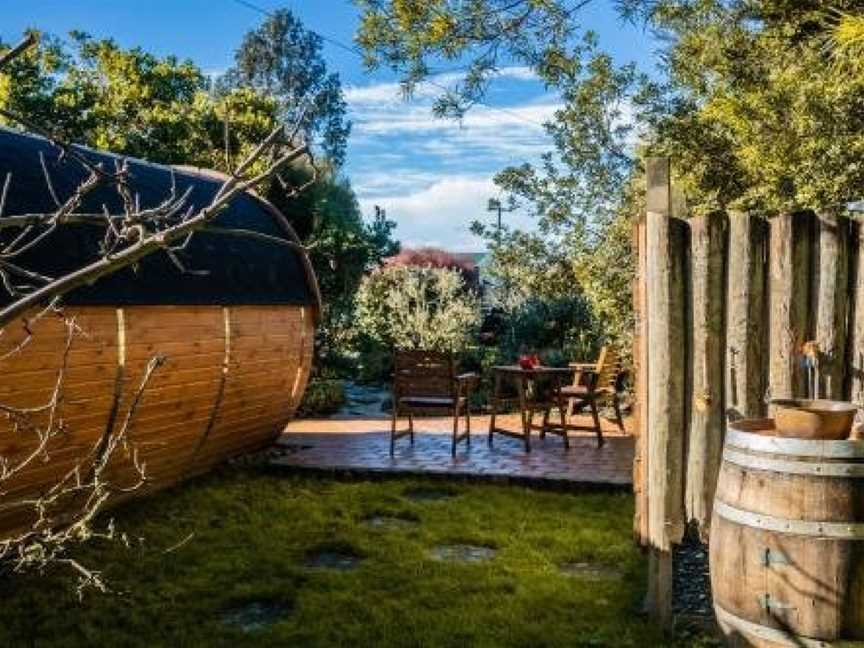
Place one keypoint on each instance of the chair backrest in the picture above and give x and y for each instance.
(424, 373)
(608, 369)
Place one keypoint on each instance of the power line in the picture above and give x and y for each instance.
(332, 41)
(353, 50)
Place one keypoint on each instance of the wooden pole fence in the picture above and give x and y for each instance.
(725, 304)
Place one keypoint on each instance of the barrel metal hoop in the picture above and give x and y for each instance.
(798, 447)
(746, 460)
(766, 633)
(828, 530)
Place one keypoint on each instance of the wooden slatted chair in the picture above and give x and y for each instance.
(595, 384)
(427, 380)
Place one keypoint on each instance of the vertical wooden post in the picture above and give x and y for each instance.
(708, 326)
(640, 360)
(746, 330)
(790, 320)
(831, 287)
(856, 341)
(666, 241)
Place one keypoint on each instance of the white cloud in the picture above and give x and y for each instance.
(441, 214)
(391, 92)
(414, 118)
(432, 175)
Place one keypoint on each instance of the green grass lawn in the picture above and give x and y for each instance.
(254, 535)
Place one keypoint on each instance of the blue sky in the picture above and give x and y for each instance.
(433, 176)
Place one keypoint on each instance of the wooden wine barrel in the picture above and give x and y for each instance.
(235, 332)
(787, 539)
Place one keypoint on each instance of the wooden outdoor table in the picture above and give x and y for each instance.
(521, 378)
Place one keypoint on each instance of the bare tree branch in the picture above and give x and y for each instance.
(28, 42)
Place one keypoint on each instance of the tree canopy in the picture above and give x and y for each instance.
(129, 101)
(282, 59)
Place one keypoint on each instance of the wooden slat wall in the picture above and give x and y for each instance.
(232, 378)
(789, 279)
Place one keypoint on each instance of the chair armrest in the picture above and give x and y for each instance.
(583, 366)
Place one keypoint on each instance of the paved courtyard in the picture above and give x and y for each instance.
(361, 445)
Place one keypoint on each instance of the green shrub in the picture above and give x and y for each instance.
(409, 307)
(322, 396)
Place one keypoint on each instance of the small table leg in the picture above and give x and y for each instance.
(562, 413)
(526, 428)
(496, 390)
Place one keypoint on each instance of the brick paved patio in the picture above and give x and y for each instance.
(362, 446)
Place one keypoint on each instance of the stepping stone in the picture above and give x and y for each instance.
(426, 494)
(466, 553)
(590, 571)
(255, 615)
(332, 559)
(391, 522)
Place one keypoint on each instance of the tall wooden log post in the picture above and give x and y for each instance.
(831, 288)
(746, 316)
(790, 318)
(856, 342)
(708, 329)
(666, 241)
(640, 359)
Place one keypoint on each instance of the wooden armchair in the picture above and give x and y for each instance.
(595, 384)
(425, 380)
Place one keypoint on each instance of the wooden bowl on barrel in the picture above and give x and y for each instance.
(823, 420)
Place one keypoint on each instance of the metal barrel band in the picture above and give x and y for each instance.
(735, 456)
(797, 447)
(766, 633)
(829, 530)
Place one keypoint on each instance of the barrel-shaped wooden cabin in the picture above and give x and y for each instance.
(234, 324)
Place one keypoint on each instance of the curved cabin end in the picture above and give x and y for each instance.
(235, 329)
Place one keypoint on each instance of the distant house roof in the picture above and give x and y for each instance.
(236, 270)
(473, 258)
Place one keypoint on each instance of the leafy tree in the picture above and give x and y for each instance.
(282, 59)
(409, 36)
(410, 307)
(132, 102)
(758, 83)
